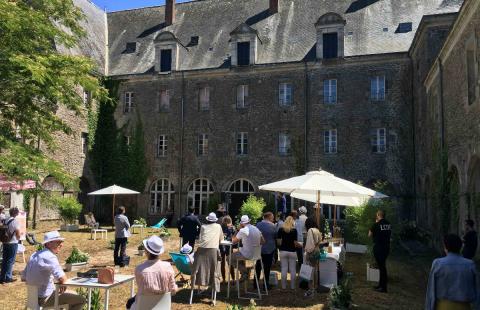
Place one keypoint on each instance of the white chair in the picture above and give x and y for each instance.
(257, 256)
(32, 300)
(328, 272)
(152, 302)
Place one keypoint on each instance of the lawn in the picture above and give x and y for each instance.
(407, 284)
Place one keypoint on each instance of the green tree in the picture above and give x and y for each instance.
(36, 80)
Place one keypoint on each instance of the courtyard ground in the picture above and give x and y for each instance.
(408, 278)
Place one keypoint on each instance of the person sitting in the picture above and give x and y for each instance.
(43, 267)
(228, 232)
(90, 221)
(154, 276)
(453, 282)
(251, 238)
(187, 251)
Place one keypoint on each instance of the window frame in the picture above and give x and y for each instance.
(376, 141)
(285, 88)
(162, 61)
(168, 94)
(128, 102)
(241, 96)
(242, 144)
(380, 90)
(327, 84)
(330, 141)
(197, 188)
(204, 100)
(166, 191)
(84, 141)
(202, 144)
(247, 59)
(284, 144)
(162, 145)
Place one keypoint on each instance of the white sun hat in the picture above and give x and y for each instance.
(244, 219)
(52, 236)
(212, 217)
(154, 245)
(186, 249)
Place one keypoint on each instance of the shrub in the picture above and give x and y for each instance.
(140, 221)
(77, 256)
(96, 301)
(69, 209)
(253, 207)
(340, 295)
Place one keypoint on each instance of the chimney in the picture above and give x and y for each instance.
(170, 12)
(273, 6)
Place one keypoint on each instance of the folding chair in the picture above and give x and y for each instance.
(159, 224)
(182, 264)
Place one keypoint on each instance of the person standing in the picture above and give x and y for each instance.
(189, 227)
(43, 267)
(301, 232)
(10, 247)
(381, 232)
(2, 215)
(288, 248)
(470, 240)
(453, 283)
(228, 232)
(122, 226)
(269, 231)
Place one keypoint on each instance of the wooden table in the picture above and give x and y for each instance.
(92, 283)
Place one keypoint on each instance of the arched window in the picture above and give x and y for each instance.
(161, 197)
(199, 194)
(241, 186)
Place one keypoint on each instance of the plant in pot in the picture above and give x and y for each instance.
(69, 209)
(341, 295)
(165, 233)
(141, 249)
(77, 260)
(140, 221)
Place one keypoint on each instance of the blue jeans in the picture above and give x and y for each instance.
(8, 259)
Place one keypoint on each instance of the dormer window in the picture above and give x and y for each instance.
(167, 52)
(243, 45)
(330, 36)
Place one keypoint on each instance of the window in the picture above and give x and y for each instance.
(204, 99)
(166, 60)
(164, 100)
(131, 47)
(161, 197)
(379, 140)
(87, 97)
(128, 102)
(242, 143)
(199, 195)
(241, 186)
(471, 76)
(404, 27)
(284, 144)
(330, 141)
(162, 146)
(330, 45)
(330, 91)
(202, 144)
(242, 94)
(84, 143)
(243, 53)
(377, 88)
(285, 94)
(126, 140)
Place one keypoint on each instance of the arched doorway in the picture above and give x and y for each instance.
(198, 196)
(237, 193)
(162, 197)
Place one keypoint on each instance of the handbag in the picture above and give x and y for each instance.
(306, 272)
(106, 275)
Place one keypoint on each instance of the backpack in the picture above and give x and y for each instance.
(4, 235)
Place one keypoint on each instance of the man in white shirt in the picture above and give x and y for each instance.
(252, 240)
(43, 267)
(10, 247)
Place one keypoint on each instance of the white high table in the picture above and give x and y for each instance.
(92, 283)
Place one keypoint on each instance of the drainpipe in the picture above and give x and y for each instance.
(305, 134)
(182, 130)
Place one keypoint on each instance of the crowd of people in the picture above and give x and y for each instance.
(293, 240)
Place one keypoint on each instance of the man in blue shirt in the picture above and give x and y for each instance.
(453, 282)
(122, 226)
(268, 230)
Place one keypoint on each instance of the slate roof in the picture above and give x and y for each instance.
(92, 45)
(287, 36)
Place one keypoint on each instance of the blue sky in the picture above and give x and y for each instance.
(117, 5)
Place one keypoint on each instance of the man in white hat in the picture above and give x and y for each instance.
(154, 276)
(301, 232)
(251, 239)
(43, 267)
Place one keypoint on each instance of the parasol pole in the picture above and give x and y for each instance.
(113, 211)
(317, 210)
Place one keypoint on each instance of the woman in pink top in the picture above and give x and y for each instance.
(153, 277)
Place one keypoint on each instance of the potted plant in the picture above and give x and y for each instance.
(77, 260)
(112, 244)
(373, 273)
(141, 249)
(340, 296)
(165, 233)
(69, 209)
(140, 221)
